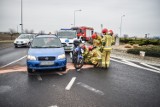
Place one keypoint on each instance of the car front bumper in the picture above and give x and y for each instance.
(21, 45)
(36, 65)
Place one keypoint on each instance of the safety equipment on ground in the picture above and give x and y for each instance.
(94, 36)
(105, 30)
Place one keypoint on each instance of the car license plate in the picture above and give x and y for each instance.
(46, 63)
(67, 47)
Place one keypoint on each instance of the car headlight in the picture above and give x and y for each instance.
(30, 57)
(24, 41)
(61, 56)
(15, 41)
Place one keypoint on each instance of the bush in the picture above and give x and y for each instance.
(128, 46)
(153, 51)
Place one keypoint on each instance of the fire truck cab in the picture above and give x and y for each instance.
(84, 32)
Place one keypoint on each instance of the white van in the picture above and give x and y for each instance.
(67, 37)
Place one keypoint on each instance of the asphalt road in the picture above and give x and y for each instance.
(124, 84)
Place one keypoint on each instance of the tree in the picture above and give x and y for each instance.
(26, 31)
(12, 32)
(31, 31)
(125, 35)
(41, 32)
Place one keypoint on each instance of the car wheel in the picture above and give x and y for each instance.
(29, 70)
(29, 44)
(15, 46)
(63, 68)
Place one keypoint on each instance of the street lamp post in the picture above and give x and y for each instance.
(21, 17)
(121, 24)
(75, 16)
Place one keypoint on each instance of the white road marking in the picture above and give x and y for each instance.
(53, 106)
(59, 73)
(68, 87)
(150, 66)
(13, 61)
(134, 65)
(91, 88)
(39, 77)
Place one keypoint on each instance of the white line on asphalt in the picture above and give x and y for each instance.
(150, 66)
(68, 87)
(13, 61)
(53, 106)
(130, 63)
(39, 77)
(90, 88)
(134, 65)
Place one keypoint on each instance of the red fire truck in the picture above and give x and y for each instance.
(84, 32)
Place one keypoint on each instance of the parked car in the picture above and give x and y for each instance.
(46, 52)
(67, 37)
(24, 40)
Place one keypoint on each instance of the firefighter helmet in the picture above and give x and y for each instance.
(90, 48)
(104, 30)
(94, 36)
(110, 32)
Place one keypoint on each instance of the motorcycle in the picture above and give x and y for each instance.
(77, 57)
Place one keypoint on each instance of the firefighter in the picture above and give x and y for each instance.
(97, 40)
(85, 54)
(106, 42)
(110, 32)
(96, 53)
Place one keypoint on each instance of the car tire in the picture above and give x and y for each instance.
(29, 44)
(15, 46)
(63, 68)
(29, 71)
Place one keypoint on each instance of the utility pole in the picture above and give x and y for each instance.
(21, 16)
(75, 16)
(121, 24)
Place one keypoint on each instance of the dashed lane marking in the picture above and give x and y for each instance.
(90, 88)
(14, 61)
(68, 87)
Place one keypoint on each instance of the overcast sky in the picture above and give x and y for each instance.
(141, 16)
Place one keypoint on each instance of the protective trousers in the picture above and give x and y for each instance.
(106, 57)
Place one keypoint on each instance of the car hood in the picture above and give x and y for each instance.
(66, 40)
(45, 51)
(22, 40)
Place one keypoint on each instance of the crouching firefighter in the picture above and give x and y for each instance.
(96, 58)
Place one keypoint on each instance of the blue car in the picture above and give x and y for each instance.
(46, 52)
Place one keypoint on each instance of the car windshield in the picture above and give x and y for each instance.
(25, 36)
(69, 35)
(46, 42)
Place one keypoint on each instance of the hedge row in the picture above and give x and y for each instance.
(140, 41)
(153, 51)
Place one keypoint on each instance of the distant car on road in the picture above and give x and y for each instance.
(67, 37)
(24, 40)
(46, 52)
